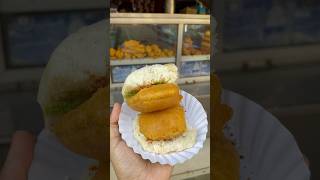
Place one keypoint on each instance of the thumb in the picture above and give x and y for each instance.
(19, 157)
(114, 118)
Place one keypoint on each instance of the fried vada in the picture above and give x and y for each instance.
(155, 98)
(163, 125)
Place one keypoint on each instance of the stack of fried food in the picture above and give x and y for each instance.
(161, 117)
(133, 49)
(154, 51)
(161, 125)
(226, 161)
(188, 48)
(205, 44)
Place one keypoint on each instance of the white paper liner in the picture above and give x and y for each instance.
(196, 118)
(268, 149)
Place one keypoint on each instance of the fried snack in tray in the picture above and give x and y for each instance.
(133, 49)
(226, 161)
(116, 53)
(188, 48)
(205, 44)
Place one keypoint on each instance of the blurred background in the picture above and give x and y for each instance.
(29, 33)
(176, 32)
(269, 52)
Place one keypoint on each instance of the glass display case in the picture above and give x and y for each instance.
(156, 41)
(195, 50)
(140, 39)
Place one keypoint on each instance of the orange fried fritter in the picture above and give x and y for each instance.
(155, 98)
(163, 125)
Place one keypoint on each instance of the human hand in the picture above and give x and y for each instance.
(19, 157)
(126, 163)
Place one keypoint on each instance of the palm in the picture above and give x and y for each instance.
(128, 164)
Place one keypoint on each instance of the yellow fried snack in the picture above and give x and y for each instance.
(155, 98)
(112, 52)
(205, 44)
(83, 129)
(119, 54)
(133, 49)
(163, 125)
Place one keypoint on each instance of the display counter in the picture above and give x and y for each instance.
(141, 39)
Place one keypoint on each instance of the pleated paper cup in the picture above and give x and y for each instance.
(196, 118)
(268, 149)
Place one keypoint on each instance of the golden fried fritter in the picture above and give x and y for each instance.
(155, 98)
(163, 125)
(83, 130)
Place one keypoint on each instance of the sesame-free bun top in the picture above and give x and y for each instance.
(149, 75)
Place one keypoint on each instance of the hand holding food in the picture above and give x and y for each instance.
(126, 162)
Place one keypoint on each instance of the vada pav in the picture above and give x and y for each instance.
(161, 125)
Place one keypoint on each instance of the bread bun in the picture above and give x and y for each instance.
(147, 76)
(152, 88)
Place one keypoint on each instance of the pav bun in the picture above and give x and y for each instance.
(152, 88)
